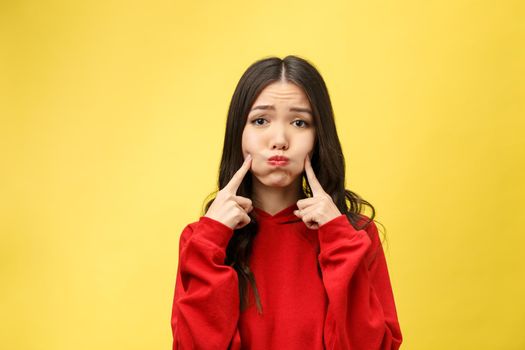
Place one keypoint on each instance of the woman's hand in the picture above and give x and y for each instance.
(228, 208)
(320, 208)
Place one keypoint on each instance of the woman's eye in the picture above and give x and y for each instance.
(255, 121)
(298, 122)
(304, 124)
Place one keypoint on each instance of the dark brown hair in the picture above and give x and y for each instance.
(327, 151)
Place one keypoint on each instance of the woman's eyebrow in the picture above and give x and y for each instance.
(292, 109)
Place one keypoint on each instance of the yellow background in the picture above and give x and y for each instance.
(112, 122)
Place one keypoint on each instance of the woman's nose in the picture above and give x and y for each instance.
(279, 138)
(280, 145)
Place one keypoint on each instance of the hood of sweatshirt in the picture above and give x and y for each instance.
(284, 216)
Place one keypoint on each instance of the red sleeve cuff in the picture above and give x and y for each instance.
(333, 233)
(213, 231)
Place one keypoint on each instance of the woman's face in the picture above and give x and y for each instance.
(280, 123)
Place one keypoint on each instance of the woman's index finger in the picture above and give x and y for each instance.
(237, 178)
(315, 185)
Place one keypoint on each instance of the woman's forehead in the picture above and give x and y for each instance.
(282, 92)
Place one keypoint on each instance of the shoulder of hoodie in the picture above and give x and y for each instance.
(370, 228)
(188, 231)
(373, 234)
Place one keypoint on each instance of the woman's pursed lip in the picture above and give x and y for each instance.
(277, 162)
(278, 158)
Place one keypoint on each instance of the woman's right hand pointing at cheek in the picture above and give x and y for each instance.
(228, 208)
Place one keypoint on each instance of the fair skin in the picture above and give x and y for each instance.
(279, 123)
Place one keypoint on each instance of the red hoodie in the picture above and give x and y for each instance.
(349, 306)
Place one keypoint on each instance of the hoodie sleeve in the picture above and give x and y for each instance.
(205, 308)
(361, 312)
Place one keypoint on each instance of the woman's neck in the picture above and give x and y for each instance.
(274, 199)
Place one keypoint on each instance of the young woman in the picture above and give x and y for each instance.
(283, 257)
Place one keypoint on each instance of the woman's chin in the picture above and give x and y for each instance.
(276, 181)
(278, 184)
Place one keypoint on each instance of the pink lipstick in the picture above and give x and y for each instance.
(278, 160)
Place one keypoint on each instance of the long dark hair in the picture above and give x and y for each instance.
(327, 151)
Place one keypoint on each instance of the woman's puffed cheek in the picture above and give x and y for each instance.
(247, 146)
(246, 151)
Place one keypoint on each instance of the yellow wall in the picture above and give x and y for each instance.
(112, 120)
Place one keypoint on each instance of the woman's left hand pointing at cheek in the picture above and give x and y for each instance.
(319, 209)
